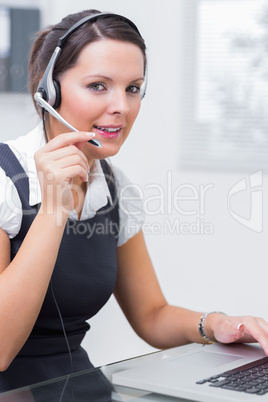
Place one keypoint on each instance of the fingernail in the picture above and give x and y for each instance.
(90, 134)
(239, 325)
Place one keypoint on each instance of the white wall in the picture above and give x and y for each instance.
(225, 270)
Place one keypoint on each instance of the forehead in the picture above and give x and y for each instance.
(112, 54)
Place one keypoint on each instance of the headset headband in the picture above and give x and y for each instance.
(93, 17)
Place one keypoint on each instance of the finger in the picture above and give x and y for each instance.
(238, 332)
(72, 138)
(72, 171)
(69, 161)
(246, 329)
(257, 328)
(243, 329)
(69, 151)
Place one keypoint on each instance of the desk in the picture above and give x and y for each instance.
(93, 385)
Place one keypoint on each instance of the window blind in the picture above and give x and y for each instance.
(224, 113)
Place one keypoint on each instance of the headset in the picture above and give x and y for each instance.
(48, 94)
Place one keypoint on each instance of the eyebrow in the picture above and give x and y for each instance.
(110, 79)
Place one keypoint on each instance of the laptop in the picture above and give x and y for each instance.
(204, 373)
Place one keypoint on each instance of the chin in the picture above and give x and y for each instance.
(109, 149)
(109, 154)
(106, 151)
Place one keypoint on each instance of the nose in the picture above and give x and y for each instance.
(118, 103)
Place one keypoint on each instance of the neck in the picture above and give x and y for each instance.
(79, 189)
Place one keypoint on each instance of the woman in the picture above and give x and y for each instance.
(55, 273)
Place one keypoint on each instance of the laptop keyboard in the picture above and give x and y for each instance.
(251, 378)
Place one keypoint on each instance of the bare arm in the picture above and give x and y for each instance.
(24, 281)
(162, 325)
(140, 297)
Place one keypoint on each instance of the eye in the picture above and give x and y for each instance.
(97, 86)
(134, 89)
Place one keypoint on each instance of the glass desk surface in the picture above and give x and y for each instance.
(92, 385)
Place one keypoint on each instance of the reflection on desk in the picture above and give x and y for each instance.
(92, 385)
(81, 387)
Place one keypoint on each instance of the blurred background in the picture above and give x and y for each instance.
(198, 152)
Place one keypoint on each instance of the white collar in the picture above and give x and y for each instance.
(97, 193)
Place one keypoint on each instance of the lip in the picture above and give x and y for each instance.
(106, 134)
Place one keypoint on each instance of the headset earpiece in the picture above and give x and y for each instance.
(58, 94)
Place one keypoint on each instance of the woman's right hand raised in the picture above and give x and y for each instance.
(57, 163)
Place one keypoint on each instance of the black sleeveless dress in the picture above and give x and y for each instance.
(82, 282)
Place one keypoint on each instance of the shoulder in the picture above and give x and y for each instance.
(25, 146)
(129, 193)
(121, 179)
(10, 206)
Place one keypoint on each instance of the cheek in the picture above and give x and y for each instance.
(82, 109)
(75, 101)
(135, 111)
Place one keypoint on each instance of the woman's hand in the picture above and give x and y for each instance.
(57, 163)
(249, 329)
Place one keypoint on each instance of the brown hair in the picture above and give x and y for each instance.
(110, 27)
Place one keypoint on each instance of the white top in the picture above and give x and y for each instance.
(131, 215)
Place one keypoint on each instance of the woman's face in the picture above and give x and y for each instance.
(101, 94)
